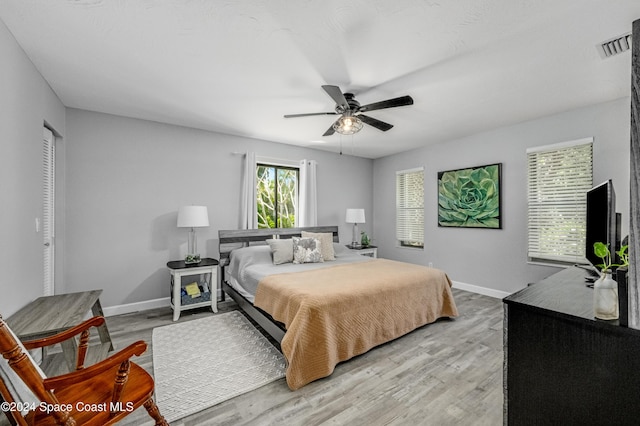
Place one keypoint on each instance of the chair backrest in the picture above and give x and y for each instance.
(21, 376)
(22, 381)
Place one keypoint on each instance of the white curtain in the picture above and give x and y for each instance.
(248, 219)
(308, 209)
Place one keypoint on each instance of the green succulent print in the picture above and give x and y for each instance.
(470, 198)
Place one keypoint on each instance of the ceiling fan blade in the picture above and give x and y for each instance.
(389, 103)
(337, 96)
(331, 130)
(309, 114)
(375, 122)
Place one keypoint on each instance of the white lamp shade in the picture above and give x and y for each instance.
(193, 217)
(355, 216)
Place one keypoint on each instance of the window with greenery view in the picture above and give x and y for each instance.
(559, 177)
(277, 196)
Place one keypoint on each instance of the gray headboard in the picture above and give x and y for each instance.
(232, 239)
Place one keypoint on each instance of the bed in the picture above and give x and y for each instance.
(326, 312)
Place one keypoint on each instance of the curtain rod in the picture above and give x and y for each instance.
(274, 160)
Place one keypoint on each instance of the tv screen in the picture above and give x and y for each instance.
(601, 220)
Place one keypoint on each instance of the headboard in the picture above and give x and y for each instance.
(229, 239)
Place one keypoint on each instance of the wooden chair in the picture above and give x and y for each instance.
(101, 394)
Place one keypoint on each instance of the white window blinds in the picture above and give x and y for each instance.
(410, 207)
(559, 177)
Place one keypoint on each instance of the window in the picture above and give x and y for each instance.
(276, 195)
(559, 177)
(410, 208)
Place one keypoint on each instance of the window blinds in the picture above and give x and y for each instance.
(559, 177)
(410, 207)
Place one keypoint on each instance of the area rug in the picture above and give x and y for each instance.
(201, 363)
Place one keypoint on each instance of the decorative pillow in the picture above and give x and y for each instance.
(326, 243)
(307, 250)
(281, 251)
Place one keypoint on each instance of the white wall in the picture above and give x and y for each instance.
(26, 104)
(126, 179)
(497, 259)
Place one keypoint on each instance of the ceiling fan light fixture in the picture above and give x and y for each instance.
(348, 125)
(347, 106)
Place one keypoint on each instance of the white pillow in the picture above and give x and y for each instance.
(326, 241)
(307, 250)
(281, 251)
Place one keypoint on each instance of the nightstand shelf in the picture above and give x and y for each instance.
(371, 251)
(207, 280)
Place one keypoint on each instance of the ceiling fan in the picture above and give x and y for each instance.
(350, 111)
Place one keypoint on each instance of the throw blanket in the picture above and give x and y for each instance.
(335, 313)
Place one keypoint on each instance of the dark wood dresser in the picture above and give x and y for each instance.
(562, 366)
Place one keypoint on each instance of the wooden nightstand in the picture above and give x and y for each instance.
(207, 283)
(371, 251)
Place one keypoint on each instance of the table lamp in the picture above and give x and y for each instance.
(355, 216)
(192, 217)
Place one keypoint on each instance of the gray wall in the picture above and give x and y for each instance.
(497, 259)
(121, 181)
(26, 103)
(126, 179)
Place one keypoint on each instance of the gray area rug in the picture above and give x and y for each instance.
(201, 363)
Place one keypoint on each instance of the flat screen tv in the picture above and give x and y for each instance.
(602, 220)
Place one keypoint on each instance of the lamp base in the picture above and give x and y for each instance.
(191, 259)
(355, 241)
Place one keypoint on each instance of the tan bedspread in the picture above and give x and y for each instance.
(335, 313)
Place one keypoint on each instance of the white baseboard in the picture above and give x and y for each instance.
(498, 294)
(135, 307)
(164, 301)
(140, 306)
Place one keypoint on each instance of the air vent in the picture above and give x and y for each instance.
(615, 46)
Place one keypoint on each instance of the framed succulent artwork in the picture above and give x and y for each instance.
(470, 198)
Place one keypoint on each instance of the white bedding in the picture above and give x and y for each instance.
(248, 265)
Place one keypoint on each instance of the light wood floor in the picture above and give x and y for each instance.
(446, 373)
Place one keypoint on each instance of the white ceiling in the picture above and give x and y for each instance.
(237, 66)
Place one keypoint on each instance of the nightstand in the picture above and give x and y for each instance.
(206, 279)
(371, 251)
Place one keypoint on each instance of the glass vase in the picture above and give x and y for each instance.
(605, 297)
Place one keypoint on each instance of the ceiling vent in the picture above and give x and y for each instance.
(615, 46)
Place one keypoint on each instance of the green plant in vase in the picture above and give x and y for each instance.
(364, 239)
(605, 289)
(602, 251)
(624, 256)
